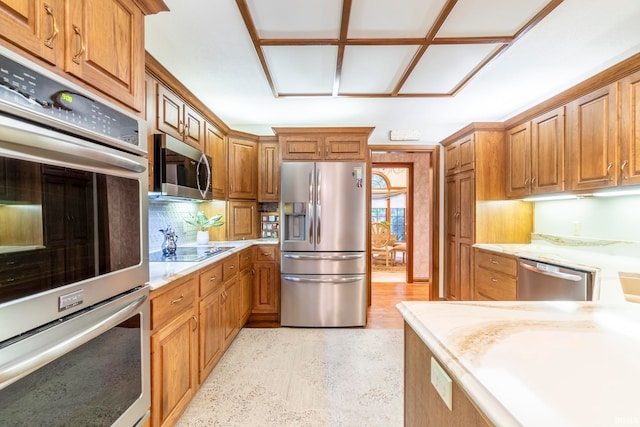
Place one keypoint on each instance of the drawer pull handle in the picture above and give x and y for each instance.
(212, 278)
(54, 27)
(266, 253)
(177, 300)
(493, 261)
(232, 266)
(195, 319)
(493, 280)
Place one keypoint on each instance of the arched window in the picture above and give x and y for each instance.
(381, 209)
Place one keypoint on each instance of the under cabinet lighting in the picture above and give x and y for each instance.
(618, 193)
(546, 198)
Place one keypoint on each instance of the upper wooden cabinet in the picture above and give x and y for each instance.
(216, 147)
(243, 168)
(630, 130)
(35, 27)
(179, 119)
(535, 156)
(592, 139)
(460, 155)
(333, 144)
(99, 42)
(269, 172)
(242, 219)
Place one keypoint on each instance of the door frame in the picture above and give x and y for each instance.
(433, 151)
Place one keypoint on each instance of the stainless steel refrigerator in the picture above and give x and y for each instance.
(323, 242)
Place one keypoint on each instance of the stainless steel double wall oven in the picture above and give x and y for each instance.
(74, 311)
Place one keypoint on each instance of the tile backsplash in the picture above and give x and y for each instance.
(162, 214)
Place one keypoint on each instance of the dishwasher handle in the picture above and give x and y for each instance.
(557, 274)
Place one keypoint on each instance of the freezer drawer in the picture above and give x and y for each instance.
(323, 262)
(323, 300)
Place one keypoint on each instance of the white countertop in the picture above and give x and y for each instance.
(161, 273)
(538, 363)
(607, 287)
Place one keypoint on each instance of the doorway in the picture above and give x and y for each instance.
(422, 218)
(391, 205)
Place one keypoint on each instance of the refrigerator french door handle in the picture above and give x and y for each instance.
(310, 209)
(318, 205)
(323, 257)
(348, 279)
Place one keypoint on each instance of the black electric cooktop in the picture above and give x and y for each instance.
(188, 254)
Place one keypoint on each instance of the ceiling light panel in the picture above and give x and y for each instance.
(302, 69)
(296, 18)
(397, 18)
(489, 17)
(443, 67)
(374, 69)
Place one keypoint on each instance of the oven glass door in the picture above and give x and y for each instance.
(91, 369)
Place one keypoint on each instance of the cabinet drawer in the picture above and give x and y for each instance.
(229, 267)
(169, 304)
(267, 253)
(495, 286)
(210, 279)
(245, 258)
(497, 262)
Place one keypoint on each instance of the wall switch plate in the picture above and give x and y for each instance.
(442, 383)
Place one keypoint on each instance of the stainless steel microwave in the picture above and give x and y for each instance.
(180, 170)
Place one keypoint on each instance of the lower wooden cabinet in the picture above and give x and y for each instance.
(496, 276)
(245, 282)
(266, 285)
(423, 406)
(174, 351)
(211, 337)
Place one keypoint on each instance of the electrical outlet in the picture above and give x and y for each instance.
(442, 383)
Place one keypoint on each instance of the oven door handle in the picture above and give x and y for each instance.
(23, 364)
(39, 144)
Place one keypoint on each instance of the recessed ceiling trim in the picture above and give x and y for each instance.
(422, 44)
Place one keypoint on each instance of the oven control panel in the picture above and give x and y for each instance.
(46, 98)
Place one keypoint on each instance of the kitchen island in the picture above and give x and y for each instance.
(523, 363)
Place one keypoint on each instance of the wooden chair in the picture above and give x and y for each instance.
(382, 242)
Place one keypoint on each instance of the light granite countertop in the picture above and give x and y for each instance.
(538, 363)
(606, 259)
(161, 273)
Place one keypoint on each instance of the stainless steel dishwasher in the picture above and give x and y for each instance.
(538, 281)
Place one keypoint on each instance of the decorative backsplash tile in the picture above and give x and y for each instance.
(162, 214)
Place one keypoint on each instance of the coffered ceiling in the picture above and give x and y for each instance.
(378, 48)
(428, 66)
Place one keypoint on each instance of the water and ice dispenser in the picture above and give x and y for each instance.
(295, 221)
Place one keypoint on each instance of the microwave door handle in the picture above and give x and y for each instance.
(23, 364)
(203, 159)
(311, 207)
(318, 206)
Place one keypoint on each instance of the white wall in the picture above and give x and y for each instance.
(615, 218)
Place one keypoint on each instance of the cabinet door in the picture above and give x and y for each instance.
(174, 368)
(105, 47)
(243, 169)
(243, 220)
(269, 173)
(230, 311)
(467, 155)
(216, 147)
(266, 289)
(194, 127)
(345, 147)
(211, 333)
(301, 147)
(170, 113)
(246, 296)
(630, 126)
(35, 26)
(593, 140)
(518, 160)
(451, 159)
(547, 152)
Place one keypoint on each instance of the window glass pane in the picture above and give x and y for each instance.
(398, 223)
(378, 181)
(378, 214)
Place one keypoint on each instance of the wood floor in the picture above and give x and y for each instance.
(384, 296)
